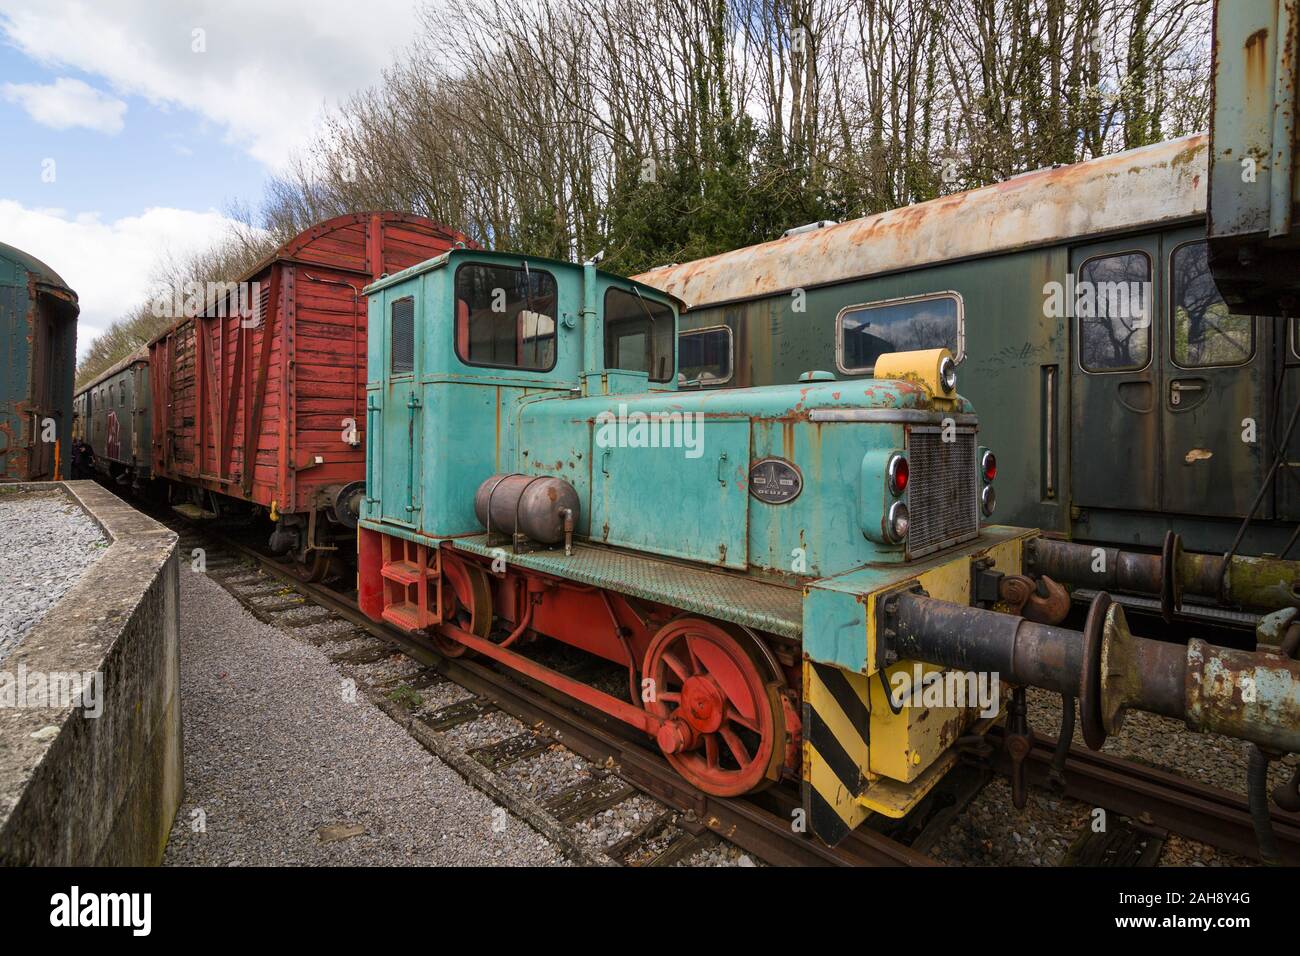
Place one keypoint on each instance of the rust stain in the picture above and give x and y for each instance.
(1198, 454)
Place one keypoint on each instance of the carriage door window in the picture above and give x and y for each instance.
(638, 335)
(869, 331)
(704, 357)
(1109, 295)
(505, 317)
(1113, 303)
(1216, 389)
(1204, 332)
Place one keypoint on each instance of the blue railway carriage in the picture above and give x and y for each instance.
(38, 357)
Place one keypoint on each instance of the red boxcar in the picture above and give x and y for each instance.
(267, 406)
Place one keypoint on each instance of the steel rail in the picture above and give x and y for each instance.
(1158, 797)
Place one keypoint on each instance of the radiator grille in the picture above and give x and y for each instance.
(943, 497)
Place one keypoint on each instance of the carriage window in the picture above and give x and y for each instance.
(704, 356)
(1113, 302)
(1204, 331)
(899, 325)
(638, 335)
(403, 336)
(505, 317)
(121, 395)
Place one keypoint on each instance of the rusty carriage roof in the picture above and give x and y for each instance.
(1161, 183)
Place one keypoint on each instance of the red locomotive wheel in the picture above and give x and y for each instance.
(467, 597)
(723, 722)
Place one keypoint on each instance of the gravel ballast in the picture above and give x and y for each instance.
(285, 766)
(46, 543)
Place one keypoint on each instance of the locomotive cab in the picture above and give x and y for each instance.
(797, 578)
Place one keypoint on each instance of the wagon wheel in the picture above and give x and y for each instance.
(467, 603)
(311, 570)
(317, 568)
(724, 726)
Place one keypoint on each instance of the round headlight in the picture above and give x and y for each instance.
(988, 500)
(989, 466)
(948, 374)
(896, 473)
(896, 524)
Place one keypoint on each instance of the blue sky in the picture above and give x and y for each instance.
(159, 116)
(164, 155)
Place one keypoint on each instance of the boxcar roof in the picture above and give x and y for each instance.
(299, 248)
(29, 263)
(1162, 183)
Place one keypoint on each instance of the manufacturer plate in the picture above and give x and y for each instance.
(775, 481)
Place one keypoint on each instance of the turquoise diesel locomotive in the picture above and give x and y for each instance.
(771, 565)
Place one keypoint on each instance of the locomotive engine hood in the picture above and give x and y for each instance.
(800, 480)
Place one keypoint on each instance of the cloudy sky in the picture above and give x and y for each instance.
(128, 126)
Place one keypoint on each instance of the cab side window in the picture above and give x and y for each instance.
(869, 331)
(1205, 333)
(1113, 302)
(638, 334)
(505, 317)
(704, 356)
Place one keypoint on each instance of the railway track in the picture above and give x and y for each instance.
(683, 820)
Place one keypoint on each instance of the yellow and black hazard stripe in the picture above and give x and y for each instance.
(836, 740)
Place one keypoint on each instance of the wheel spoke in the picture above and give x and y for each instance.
(676, 666)
(737, 717)
(736, 745)
(711, 750)
(696, 666)
(668, 697)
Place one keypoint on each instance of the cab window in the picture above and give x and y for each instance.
(638, 335)
(505, 317)
(704, 356)
(1205, 333)
(869, 331)
(1113, 302)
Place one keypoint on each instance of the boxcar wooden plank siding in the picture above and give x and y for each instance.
(292, 381)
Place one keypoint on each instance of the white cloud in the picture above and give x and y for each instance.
(66, 103)
(266, 72)
(110, 265)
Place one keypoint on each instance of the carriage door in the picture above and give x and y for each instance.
(1216, 386)
(1115, 393)
(398, 442)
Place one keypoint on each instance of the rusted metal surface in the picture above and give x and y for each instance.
(1141, 187)
(1251, 696)
(1021, 595)
(974, 639)
(1253, 186)
(1255, 583)
(261, 410)
(38, 341)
